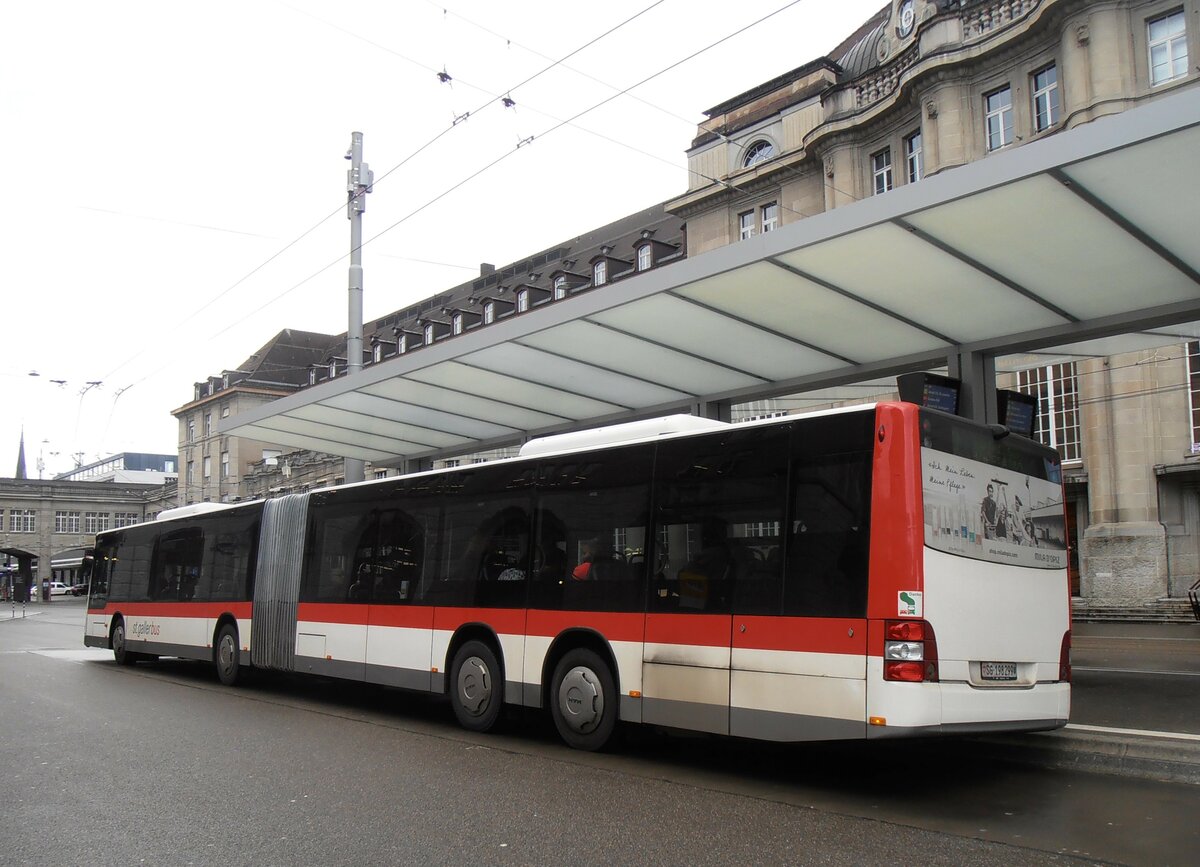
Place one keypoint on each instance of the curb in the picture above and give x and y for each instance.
(1152, 758)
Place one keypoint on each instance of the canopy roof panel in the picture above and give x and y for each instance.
(1066, 241)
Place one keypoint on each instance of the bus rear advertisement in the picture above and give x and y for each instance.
(877, 571)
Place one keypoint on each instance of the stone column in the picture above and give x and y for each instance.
(1123, 552)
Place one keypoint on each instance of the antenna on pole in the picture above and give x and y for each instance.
(358, 183)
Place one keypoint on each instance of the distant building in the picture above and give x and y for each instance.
(138, 467)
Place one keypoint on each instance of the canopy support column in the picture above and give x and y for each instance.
(718, 410)
(978, 374)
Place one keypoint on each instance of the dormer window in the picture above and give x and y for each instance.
(522, 300)
(377, 353)
(758, 152)
(312, 376)
(402, 344)
(560, 288)
(600, 273)
(489, 312)
(225, 380)
(332, 369)
(645, 257)
(429, 334)
(456, 323)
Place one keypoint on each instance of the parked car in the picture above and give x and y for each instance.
(79, 590)
(58, 588)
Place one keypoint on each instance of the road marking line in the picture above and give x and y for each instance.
(1135, 671)
(1139, 732)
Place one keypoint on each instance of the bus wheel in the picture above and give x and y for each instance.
(475, 691)
(584, 700)
(120, 649)
(226, 655)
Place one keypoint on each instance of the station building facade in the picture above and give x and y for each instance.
(920, 88)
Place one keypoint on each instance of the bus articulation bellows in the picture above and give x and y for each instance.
(876, 571)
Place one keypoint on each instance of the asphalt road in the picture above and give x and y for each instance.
(159, 764)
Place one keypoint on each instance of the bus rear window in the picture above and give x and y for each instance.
(991, 499)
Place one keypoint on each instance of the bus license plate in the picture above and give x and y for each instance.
(998, 670)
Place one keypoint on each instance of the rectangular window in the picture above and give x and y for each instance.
(428, 334)
(124, 519)
(998, 119)
(600, 273)
(489, 313)
(1167, 41)
(208, 424)
(95, 522)
(746, 225)
(191, 472)
(1193, 356)
(377, 353)
(770, 217)
(191, 430)
(881, 171)
(645, 257)
(456, 323)
(1057, 391)
(1045, 98)
(66, 522)
(913, 159)
(522, 301)
(207, 468)
(560, 288)
(22, 521)
(402, 344)
(224, 465)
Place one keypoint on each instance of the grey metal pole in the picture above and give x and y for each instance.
(358, 184)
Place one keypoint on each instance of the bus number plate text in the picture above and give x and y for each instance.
(998, 670)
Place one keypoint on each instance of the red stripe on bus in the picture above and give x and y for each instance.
(505, 621)
(613, 626)
(699, 630)
(404, 616)
(353, 614)
(805, 634)
(240, 610)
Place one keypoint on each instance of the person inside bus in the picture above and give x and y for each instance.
(589, 549)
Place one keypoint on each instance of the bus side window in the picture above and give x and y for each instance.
(828, 535)
(720, 504)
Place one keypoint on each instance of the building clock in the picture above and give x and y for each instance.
(906, 17)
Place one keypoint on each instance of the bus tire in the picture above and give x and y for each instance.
(476, 687)
(583, 700)
(226, 655)
(120, 647)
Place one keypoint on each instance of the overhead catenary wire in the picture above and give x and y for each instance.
(377, 180)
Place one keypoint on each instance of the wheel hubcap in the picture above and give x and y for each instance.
(474, 685)
(225, 655)
(580, 699)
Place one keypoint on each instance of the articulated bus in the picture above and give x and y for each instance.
(877, 571)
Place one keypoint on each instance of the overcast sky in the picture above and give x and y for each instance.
(157, 155)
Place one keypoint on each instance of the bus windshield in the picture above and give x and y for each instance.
(989, 498)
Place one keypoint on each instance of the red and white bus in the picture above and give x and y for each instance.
(862, 573)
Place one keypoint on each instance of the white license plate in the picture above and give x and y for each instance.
(998, 670)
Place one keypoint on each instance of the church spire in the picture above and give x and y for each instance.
(21, 458)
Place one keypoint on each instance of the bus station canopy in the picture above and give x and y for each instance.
(1082, 236)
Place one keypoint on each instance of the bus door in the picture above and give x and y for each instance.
(799, 627)
(399, 632)
(717, 499)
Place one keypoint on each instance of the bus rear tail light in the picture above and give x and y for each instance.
(1064, 659)
(909, 652)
